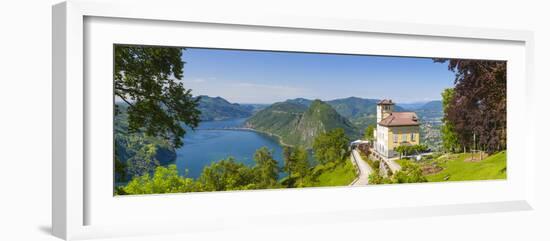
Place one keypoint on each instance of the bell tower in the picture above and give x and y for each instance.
(384, 108)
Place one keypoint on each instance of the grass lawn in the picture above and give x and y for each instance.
(340, 175)
(456, 169)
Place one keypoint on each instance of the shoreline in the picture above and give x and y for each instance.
(279, 139)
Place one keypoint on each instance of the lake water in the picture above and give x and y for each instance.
(208, 144)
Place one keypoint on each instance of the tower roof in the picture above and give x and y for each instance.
(385, 102)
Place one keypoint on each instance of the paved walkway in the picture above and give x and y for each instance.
(364, 169)
(394, 167)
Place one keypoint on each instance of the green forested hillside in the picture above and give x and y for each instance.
(137, 153)
(359, 111)
(296, 124)
(217, 108)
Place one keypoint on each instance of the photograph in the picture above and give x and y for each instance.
(190, 119)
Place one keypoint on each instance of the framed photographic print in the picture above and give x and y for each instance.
(208, 122)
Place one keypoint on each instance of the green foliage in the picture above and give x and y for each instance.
(148, 80)
(227, 174)
(120, 169)
(331, 146)
(137, 153)
(302, 165)
(409, 173)
(478, 103)
(449, 138)
(448, 133)
(296, 164)
(369, 132)
(266, 169)
(414, 149)
(376, 178)
(165, 180)
(144, 161)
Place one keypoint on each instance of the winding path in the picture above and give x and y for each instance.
(364, 169)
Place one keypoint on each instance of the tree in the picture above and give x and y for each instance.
(376, 178)
(369, 132)
(302, 166)
(448, 133)
(164, 180)
(289, 164)
(267, 170)
(296, 164)
(413, 149)
(144, 161)
(227, 174)
(409, 173)
(331, 146)
(478, 104)
(120, 169)
(149, 81)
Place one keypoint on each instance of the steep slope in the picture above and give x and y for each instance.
(296, 124)
(278, 119)
(217, 108)
(361, 112)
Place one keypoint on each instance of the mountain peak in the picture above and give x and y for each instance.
(296, 124)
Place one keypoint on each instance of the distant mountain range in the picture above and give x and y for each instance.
(430, 111)
(359, 111)
(217, 108)
(298, 123)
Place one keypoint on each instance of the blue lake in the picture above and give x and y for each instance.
(209, 143)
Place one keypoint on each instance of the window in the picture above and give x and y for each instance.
(395, 138)
(412, 136)
(404, 137)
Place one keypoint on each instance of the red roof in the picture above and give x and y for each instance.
(400, 119)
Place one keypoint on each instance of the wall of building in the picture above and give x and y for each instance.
(381, 144)
(396, 138)
(388, 138)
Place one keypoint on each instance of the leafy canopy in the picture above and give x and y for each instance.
(266, 168)
(448, 133)
(369, 132)
(331, 146)
(165, 180)
(296, 164)
(148, 79)
(478, 105)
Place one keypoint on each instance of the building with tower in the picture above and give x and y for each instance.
(394, 129)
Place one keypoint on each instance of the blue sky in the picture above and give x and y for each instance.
(267, 77)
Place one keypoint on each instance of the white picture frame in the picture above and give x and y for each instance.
(78, 195)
